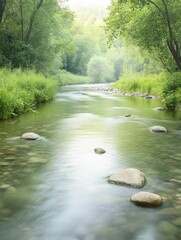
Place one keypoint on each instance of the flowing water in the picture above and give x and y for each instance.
(56, 188)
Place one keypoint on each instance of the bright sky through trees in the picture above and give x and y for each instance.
(85, 3)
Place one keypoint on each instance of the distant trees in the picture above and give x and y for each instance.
(46, 36)
(151, 24)
(99, 70)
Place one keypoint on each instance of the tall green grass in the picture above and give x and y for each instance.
(66, 78)
(21, 91)
(150, 84)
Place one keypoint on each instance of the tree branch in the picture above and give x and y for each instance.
(2, 8)
(159, 9)
(32, 18)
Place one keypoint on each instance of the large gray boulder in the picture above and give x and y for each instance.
(131, 177)
(30, 136)
(146, 199)
(158, 129)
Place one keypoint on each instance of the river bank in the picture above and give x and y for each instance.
(21, 91)
(109, 89)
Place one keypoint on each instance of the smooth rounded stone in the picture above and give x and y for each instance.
(146, 199)
(30, 136)
(177, 222)
(37, 160)
(99, 150)
(159, 109)
(158, 129)
(131, 177)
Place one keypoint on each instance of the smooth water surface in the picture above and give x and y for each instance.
(56, 188)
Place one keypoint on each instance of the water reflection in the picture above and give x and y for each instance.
(57, 189)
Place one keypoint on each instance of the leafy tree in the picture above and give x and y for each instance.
(99, 70)
(29, 33)
(151, 24)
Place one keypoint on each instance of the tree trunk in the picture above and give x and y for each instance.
(172, 42)
(175, 51)
(2, 8)
(32, 18)
(21, 20)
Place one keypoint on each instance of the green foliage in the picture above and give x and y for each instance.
(22, 91)
(147, 84)
(152, 25)
(100, 71)
(66, 78)
(172, 90)
(30, 34)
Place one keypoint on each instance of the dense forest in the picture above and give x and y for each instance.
(47, 38)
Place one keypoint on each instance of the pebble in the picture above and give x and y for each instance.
(99, 150)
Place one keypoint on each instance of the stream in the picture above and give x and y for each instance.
(56, 188)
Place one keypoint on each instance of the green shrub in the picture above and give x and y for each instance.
(172, 90)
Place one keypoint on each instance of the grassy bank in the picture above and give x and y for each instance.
(21, 91)
(151, 84)
(66, 78)
(167, 86)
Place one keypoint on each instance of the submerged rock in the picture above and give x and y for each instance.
(4, 186)
(146, 199)
(131, 177)
(175, 181)
(167, 229)
(177, 222)
(158, 129)
(148, 97)
(5, 212)
(128, 115)
(30, 136)
(99, 150)
(37, 160)
(159, 109)
(172, 211)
